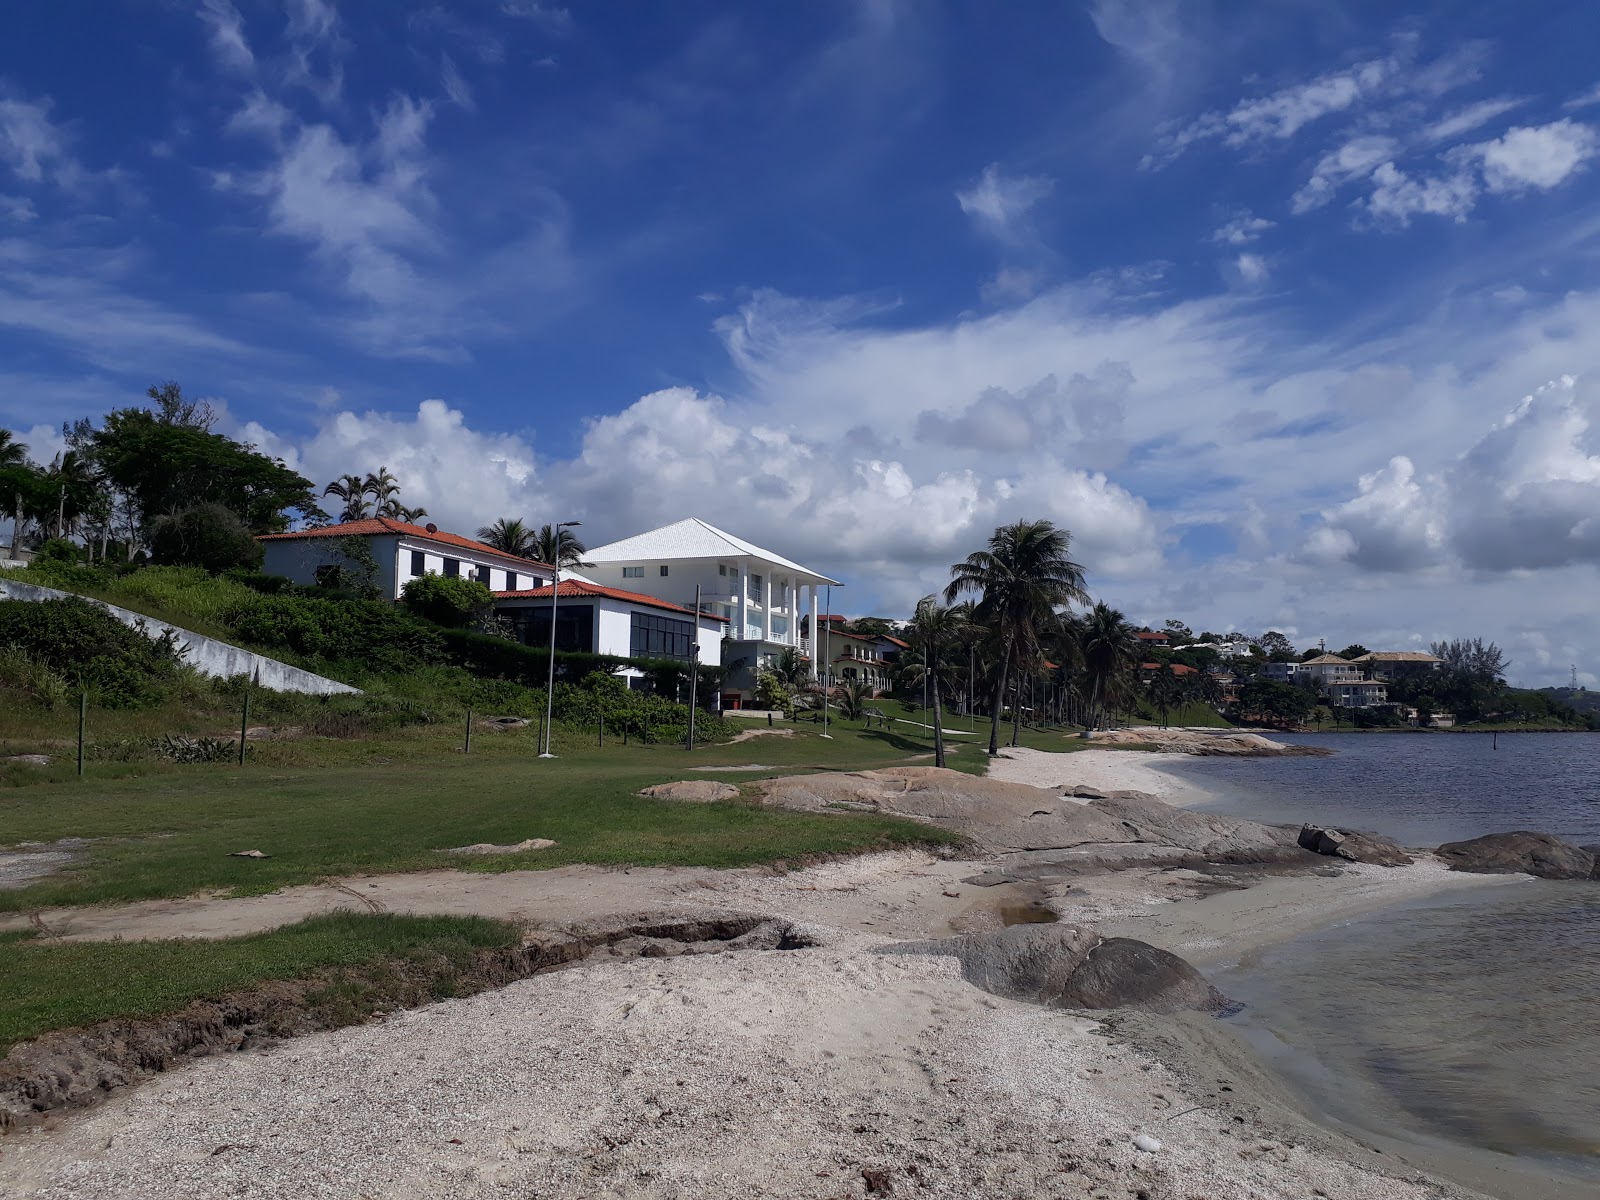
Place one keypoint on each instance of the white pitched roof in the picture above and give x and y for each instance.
(692, 538)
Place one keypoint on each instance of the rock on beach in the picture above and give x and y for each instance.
(1523, 852)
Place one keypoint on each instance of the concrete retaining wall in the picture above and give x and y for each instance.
(206, 655)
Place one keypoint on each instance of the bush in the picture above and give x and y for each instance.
(452, 602)
(59, 550)
(68, 576)
(206, 535)
(375, 634)
(500, 658)
(123, 667)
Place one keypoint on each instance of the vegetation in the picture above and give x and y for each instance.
(377, 494)
(453, 603)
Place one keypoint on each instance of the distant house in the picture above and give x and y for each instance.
(1358, 693)
(762, 594)
(1281, 672)
(857, 658)
(1399, 664)
(401, 551)
(1328, 669)
(1177, 668)
(1153, 639)
(594, 619)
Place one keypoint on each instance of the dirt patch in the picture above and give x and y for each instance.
(26, 863)
(485, 848)
(694, 791)
(755, 733)
(75, 1068)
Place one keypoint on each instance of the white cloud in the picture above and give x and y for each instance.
(1397, 197)
(1540, 156)
(1471, 117)
(1392, 524)
(455, 86)
(1252, 268)
(30, 143)
(1243, 229)
(227, 35)
(1584, 99)
(550, 18)
(999, 206)
(1355, 159)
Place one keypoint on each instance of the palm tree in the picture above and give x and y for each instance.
(399, 512)
(12, 452)
(352, 489)
(1110, 652)
(938, 632)
(790, 667)
(851, 698)
(71, 481)
(544, 548)
(15, 467)
(510, 536)
(1023, 577)
(1166, 692)
(382, 487)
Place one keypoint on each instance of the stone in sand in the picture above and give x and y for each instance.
(1070, 966)
(698, 791)
(1354, 846)
(490, 848)
(29, 760)
(1520, 852)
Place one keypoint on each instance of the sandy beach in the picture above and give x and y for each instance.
(828, 1071)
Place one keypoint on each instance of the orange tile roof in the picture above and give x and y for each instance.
(1148, 636)
(383, 526)
(896, 641)
(574, 587)
(1177, 668)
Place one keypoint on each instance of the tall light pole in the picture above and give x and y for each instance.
(555, 599)
(827, 674)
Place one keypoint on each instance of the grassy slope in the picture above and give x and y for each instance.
(54, 986)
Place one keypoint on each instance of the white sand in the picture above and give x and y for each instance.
(1104, 770)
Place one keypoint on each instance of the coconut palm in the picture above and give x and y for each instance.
(16, 478)
(399, 512)
(1110, 653)
(382, 487)
(1023, 577)
(352, 489)
(12, 452)
(544, 547)
(938, 633)
(851, 697)
(509, 535)
(71, 482)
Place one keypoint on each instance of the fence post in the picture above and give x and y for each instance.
(466, 746)
(602, 731)
(244, 719)
(83, 719)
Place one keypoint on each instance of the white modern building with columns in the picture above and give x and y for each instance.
(762, 594)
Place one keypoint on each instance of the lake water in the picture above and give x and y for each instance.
(1473, 1019)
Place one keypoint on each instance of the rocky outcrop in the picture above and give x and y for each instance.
(1354, 846)
(1207, 742)
(1594, 850)
(1070, 966)
(696, 791)
(1520, 852)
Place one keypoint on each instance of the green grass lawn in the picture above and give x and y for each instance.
(60, 985)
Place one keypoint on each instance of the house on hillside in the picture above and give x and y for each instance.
(1152, 640)
(1358, 693)
(1399, 664)
(400, 552)
(1281, 672)
(591, 618)
(857, 658)
(762, 595)
(1327, 669)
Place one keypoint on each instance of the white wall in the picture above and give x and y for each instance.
(678, 585)
(298, 559)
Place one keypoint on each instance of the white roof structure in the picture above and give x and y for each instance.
(693, 538)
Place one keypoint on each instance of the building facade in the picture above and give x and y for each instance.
(762, 595)
(400, 551)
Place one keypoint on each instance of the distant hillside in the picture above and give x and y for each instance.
(1581, 699)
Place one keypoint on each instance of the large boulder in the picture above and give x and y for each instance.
(1070, 966)
(1354, 846)
(1520, 852)
(1595, 851)
(1216, 838)
(696, 791)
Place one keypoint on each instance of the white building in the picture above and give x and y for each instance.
(594, 619)
(402, 553)
(762, 594)
(1328, 669)
(1358, 693)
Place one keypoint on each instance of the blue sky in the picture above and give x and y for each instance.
(1251, 303)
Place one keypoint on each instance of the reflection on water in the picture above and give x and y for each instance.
(1476, 1019)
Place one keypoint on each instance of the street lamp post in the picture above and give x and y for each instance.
(555, 600)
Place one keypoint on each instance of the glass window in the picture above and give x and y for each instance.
(755, 581)
(419, 562)
(633, 572)
(452, 567)
(482, 576)
(663, 570)
(660, 637)
(722, 568)
(511, 581)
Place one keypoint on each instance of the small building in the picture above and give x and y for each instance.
(1281, 672)
(1179, 669)
(400, 552)
(593, 619)
(1358, 693)
(1399, 664)
(857, 658)
(762, 594)
(1150, 638)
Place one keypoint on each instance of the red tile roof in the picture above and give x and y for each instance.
(1147, 636)
(1177, 668)
(385, 526)
(574, 587)
(896, 641)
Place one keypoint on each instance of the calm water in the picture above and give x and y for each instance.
(1473, 1019)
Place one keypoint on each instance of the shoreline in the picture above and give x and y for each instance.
(849, 1060)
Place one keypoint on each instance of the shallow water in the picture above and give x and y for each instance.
(1475, 1018)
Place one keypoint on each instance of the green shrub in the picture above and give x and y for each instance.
(369, 631)
(82, 642)
(452, 602)
(67, 576)
(500, 658)
(58, 550)
(207, 535)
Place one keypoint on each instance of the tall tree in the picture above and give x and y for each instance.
(352, 491)
(1021, 579)
(1110, 655)
(510, 535)
(19, 484)
(938, 632)
(394, 510)
(71, 482)
(572, 550)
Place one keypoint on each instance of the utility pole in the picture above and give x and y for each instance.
(550, 683)
(694, 668)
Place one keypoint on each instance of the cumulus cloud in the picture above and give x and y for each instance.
(1526, 496)
(1243, 229)
(1252, 268)
(1355, 159)
(1397, 197)
(1540, 156)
